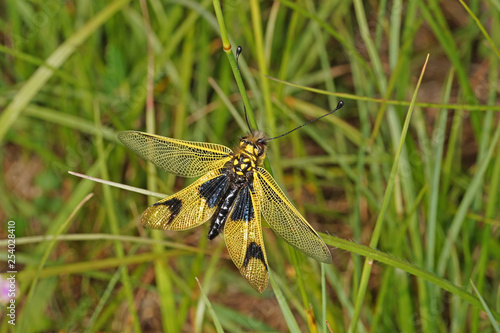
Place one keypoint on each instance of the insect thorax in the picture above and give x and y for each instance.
(249, 155)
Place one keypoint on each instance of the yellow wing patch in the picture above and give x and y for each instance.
(189, 207)
(243, 236)
(182, 158)
(286, 221)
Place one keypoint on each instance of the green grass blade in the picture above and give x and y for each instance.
(486, 308)
(346, 96)
(56, 59)
(469, 196)
(375, 255)
(385, 203)
(285, 309)
(434, 186)
(218, 326)
(109, 202)
(483, 30)
(46, 254)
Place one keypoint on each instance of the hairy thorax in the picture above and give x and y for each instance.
(249, 155)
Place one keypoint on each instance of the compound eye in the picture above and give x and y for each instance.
(260, 147)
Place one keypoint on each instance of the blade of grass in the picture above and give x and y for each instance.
(265, 88)
(39, 62)
(443, 34)
(491, 208)
(486, 308)
(218, 326)
(469, 196)
(55, 60)
(104, 298)
(92, 265)
(373, 53)
(78, 123)
(483, 30)
(376, 255)
(50, 246)
(122, 186)
(163, 280)
(228, 104)
(98, 237)
(328, 28)
(434, 186)
(113, 221)
(323, 299)
(385, 203)
(263, 66)
(285, 309)
(301, 283)
(226, 45)
(468, 107)
(208, 274)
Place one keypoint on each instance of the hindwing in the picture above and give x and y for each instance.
(182, 158)
(189, 207)
(243, 236)
(286, 221)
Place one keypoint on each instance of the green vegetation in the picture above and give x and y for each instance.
(403, 182)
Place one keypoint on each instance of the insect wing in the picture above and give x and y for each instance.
(286, 221)
(243, 236)
(189, 207)
(183, 158)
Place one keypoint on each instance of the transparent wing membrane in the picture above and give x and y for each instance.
(183, 158)
(286, 221)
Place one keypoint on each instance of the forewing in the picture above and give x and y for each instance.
(183, 158)
(286, 221)
(243, 236)
(189, 207)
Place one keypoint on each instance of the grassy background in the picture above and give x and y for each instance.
(421, 191)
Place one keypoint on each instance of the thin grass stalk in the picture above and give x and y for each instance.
(375, 255)
(285, 309)
(217, 324)
(434, 186)
(346, 96)
(469, 195)
(46, 254)
(493, 200)
(385, 203)
(328, 28)
(114, 225)
(226, 45)
(163, 280)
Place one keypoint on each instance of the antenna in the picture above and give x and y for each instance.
(239, 49)
(339, 105)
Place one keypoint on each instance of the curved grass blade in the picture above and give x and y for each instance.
(55, 60)
(486, 308)
(216, 320)
(366, 272)
(46, 256)
(285, 309)
(376, 255)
